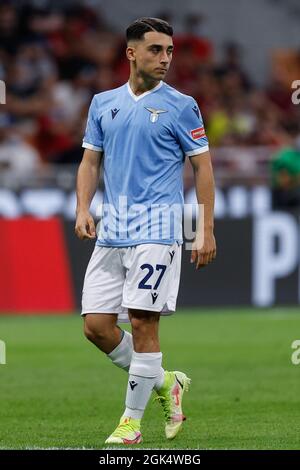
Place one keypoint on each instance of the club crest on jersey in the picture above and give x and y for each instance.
(155, 113)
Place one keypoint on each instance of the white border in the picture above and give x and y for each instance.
(138, 97)
(191, 153)
(91, 147)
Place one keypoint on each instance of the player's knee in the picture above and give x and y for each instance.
(136, 323)
(96, 333)
(89, 334)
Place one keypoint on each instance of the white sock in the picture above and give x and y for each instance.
(121, 357)
(144, 370)
(159, 379)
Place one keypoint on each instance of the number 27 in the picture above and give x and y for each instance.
(159, 267)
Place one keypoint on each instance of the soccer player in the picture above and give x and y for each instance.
(142, 131)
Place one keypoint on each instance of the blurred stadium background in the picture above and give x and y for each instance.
(239, 60)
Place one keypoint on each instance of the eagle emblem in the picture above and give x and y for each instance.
(155, 113)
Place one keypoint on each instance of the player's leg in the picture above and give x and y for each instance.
(146, 362)
(145, 369)
(101, 303)
(157, 283)
(152, 282)
(102, 330)
(145, 330)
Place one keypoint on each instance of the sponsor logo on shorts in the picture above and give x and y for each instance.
(154, 297)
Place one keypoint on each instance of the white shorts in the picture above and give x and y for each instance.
(143, 277)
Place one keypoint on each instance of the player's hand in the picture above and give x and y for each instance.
(205, 254)
(85, 226)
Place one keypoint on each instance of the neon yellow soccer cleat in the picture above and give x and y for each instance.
(127, 432)
(170, 396)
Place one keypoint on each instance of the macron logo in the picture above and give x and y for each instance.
(196, 111)
(132, 384)
(114, 112)
(172, 253)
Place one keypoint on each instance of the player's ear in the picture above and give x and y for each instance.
(130, 52)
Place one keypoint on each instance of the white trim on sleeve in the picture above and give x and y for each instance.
(91, 147)
(191, 153)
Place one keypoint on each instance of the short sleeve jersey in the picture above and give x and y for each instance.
(145, 140)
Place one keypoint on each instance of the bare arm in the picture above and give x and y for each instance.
(204, 248)
(87, 182)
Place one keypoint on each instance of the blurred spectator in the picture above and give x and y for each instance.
(9, 36)
(192, 50)
(59, 122)
(231, 64)
(285, 171)
(17, 157)
(30, 70)
(194, 37)
(54, 57)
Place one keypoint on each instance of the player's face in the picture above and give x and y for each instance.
(153, 55)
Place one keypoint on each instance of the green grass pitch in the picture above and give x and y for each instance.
(58, 391)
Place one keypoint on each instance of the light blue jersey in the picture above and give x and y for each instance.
(145, 140)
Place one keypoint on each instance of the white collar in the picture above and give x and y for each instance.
(138, 97)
